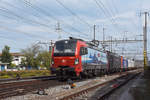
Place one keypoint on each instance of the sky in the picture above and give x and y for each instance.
(26, 22)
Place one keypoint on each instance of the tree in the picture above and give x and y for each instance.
(23, 62)
(31, 54)
(13, 65)
(45, 58)
(36, 57)
(6, 57)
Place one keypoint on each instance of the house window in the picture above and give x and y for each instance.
(16, 59)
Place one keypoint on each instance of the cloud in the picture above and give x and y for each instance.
(49, 12)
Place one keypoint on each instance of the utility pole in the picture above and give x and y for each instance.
(103, 42)
(58, 29)
(50, 51)
(103, 35)
(145, 39)
(111, 44)
(94, 31)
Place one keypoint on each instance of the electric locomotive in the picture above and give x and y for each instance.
(78, 58)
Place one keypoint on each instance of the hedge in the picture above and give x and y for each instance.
(23, 74)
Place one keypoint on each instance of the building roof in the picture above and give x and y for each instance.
(14, 54)
(4, 63)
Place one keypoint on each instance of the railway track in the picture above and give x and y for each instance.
(109, 89)
(99, 91)
(27, 78)
(24, 87)
(88, 90)
(21, 87)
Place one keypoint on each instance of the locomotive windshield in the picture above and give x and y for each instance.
(65, 48)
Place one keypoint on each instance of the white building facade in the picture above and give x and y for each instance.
(17, 59)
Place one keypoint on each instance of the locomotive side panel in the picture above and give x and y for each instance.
(94, 62)
(94, 57)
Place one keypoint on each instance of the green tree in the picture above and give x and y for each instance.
(45, 58)
(6, 57)
(31, 54)
(23, 62)
(13, 65)
(36, 57)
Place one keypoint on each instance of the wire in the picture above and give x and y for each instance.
(59, 2)
(26, 21)
(22, 18)
(108, 10)
(110, 13)
(18, 31)
(106, 13)
(18, 8)
(49, 15)
(115, 7)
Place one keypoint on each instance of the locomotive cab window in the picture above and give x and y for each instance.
(65, 48)
(83, 51)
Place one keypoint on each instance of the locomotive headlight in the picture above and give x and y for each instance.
(76, 61)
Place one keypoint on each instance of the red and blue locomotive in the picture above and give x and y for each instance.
(78, 58)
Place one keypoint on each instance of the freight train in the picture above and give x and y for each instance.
(77, 58)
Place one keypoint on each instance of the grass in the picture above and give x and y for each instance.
(23, 74)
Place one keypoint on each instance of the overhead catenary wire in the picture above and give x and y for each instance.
(18, 8)
(38, 9)
(132, 20)
(37, 15)
(23, 18)
(108, 8)
(19, 16)
(15, 16)
(82, 20)
(109, 13)
(106, 13)
(115, 7)
(19, 31)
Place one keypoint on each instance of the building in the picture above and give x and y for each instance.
(17, 58)
(3, 66)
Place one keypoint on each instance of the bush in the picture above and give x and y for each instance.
(24, 74)
(4, 76)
